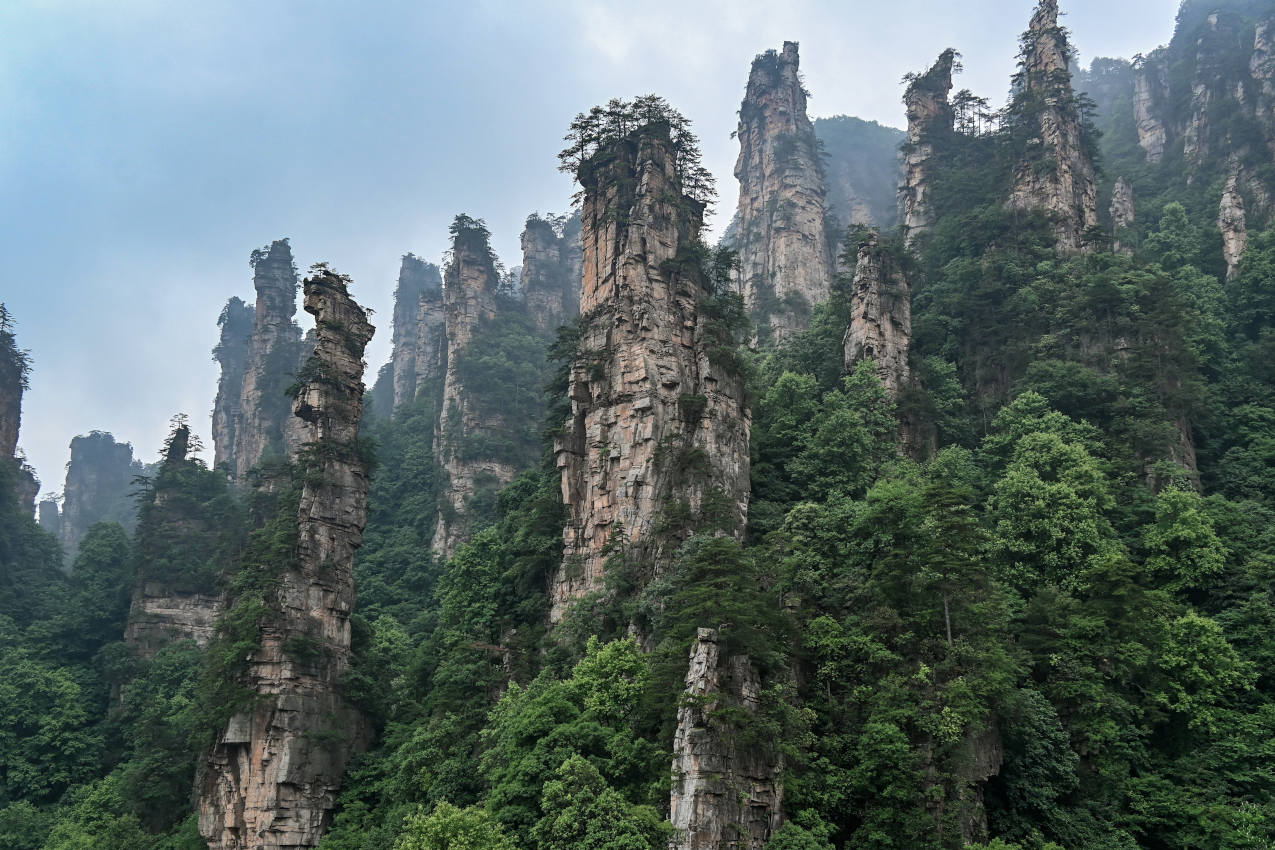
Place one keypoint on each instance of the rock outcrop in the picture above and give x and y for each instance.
(1055, 174)
(724, 794)
(419, 344)
(551, 270)
(49, 516)
(259, 425)
(1149, 92)
(234, 347)
(659, 425)
(1123, 216)
(470, 297)
(272, 778)
(880, 315)
(929, 115)
(1231, 221)
(786, 260)
(14, 366)
(159, 616)
(98, 488)
(862, 166)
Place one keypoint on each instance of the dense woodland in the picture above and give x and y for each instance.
(1044, 577)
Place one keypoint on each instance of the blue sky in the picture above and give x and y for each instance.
(147, 146)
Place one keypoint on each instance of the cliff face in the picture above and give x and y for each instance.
(550, 271)
(259, 424)
(881, 315)
(862, 167)
(1123, 216)
(419, 345)
(14, 365)
(786, 262)
(159, 616)
(929, 114)
(99, 483)
(272, 778)
(232, 353)
(724, 795)
(1056, 173)
(470, 296)
(1148, 89)
(1231, 221)
(657, 424)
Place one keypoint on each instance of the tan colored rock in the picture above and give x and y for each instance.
(1153, 135)
(159, 616)
(420, 345)
(880, 315)
(929, 114)
(272, 779)
(786, 261)
(1231, 221)
(1122, 215)
(470, 288)
(1055, 174)
(659, 419)
(724, 794)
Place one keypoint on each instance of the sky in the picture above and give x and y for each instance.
(147, 146)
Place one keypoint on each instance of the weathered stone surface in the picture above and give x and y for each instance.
(656, 420)
(550, 271)
(862, 168)
(233, 350)
(1123, 216)
(929, 114)
(786, 262)
(260, 425)
(880, 315)
(724, 794)
(419, 344)
(50, 517)
(1231, 221)
(470, 295)
(1055, 174)
(98, 488)
(159, 616)
(1149, 93)
(271, 780)
(1262, 69)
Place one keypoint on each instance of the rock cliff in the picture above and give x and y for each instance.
(470, 298)
(419, 345)
(551, 270)
(786, 261)
(880, 314)
(234, 347)
(259, 425)
(1123, 216)
(863, 171)
(929, 115)
(271, 779)
(1149, 90)
(659, 425)
(1231, 221)
(1055, 173)
(98, 488)
(724, 794)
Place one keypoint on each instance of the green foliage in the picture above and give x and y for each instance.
(582, 813)
(450, 828)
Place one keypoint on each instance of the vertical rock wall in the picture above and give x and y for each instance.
(786, 262)
(724, 795)
(233, 350)
(1149, 91)
(549, 259)
(880, 315)
(1055, 174)
(929, 114)
(1123, 216)
(272, 778)
(655, 419)
(470, 292)
(98, 488)
(419, 343)
(1231, 221)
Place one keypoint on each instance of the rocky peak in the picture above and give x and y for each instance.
(724, 794)
(98, 488)
(258, 424)
(418, 343)
(929, 113)
(14, 366)
(786, 261)
(1122, 215)
(880, 314)
(1055, 174)
(657, 420)
(551, 290)
(470, 296)
(272, 778)
(1149, 93)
